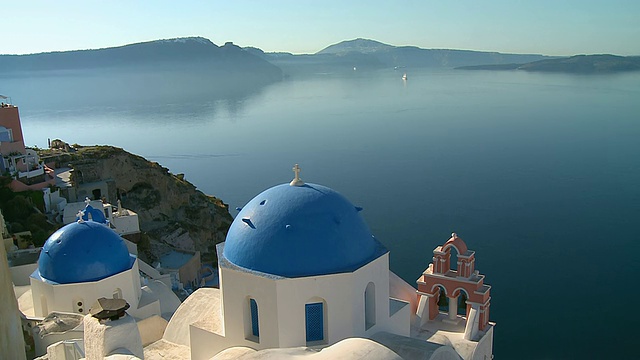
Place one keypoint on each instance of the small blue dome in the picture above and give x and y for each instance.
(81, 252)
(295, 231)
(89, 213)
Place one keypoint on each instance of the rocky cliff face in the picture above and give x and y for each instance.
(172, 212)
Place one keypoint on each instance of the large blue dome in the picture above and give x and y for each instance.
(295, 231)
(81, 252)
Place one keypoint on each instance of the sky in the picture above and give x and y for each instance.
(549, 27)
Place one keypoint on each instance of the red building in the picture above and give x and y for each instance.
(22, 164)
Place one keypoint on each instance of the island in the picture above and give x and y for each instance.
(578, 64)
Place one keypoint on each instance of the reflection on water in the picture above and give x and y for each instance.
(537, 172)
(142, 96)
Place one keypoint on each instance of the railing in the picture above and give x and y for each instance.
(72, 350)
(32, 173)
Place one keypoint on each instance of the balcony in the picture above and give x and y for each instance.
(32, 173)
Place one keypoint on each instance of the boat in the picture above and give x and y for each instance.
(404, 77)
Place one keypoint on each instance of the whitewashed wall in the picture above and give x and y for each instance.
(64, 297)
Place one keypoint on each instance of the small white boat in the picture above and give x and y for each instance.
(404, 77)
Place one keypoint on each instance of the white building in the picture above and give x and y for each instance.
(82, 262)
(301, 276)
(123, 221)
(300, 270)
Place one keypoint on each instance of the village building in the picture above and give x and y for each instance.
(80, 263)
(22, 164)
(300, 274)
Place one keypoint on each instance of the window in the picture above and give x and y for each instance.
(369, 306)
(97, 194)
(117, 293)
(77, 305)
(314, 321)
(255, 327)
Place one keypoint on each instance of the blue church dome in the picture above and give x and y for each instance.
(295, 231)
(81, 252)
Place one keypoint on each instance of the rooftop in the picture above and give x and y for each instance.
(175, 259)
(441, 331)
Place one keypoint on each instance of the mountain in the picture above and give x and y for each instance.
(364, 46)
(240, 66)
(582, 64)
(413, 56)
(370, 54)
(171, 53)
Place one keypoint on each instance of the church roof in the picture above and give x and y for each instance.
(298, 229)
(83, 251)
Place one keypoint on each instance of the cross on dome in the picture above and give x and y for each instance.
(296, 180)
(80, 215)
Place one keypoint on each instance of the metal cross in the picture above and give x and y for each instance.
(296, 181)
(296, 170)
(80, 215)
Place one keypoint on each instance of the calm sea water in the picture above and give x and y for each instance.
(538, 173)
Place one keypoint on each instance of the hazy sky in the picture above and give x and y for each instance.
(551, 27)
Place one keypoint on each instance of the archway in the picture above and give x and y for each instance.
(369, 306)
(453, 255)
(443, 300)
(462, 297)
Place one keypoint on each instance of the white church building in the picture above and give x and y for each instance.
(80, 263)
(299, 267)
(301, 276)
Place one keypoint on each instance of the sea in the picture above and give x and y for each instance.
(538, 173)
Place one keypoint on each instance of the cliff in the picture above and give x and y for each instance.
(173, 214)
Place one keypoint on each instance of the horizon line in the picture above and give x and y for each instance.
(301, 53)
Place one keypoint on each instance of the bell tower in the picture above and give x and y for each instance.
(440, 277)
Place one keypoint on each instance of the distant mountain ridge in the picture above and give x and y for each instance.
(418, 57)
(361, 45)
(582, 64)
(371, 54)
(194, 52)
(250, 63)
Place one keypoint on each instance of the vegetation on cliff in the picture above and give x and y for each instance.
(23, 211)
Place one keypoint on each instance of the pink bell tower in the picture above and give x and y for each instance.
(440, 276)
